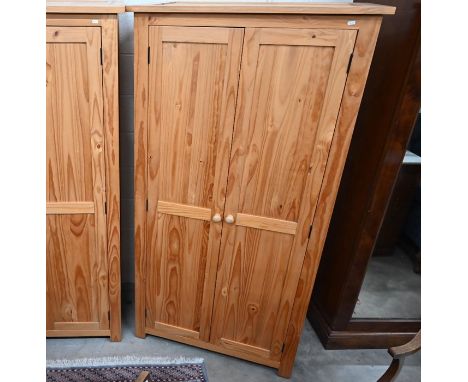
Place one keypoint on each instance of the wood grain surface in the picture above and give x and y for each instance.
(290, 91)
(193, 74)
(351, 98)
(184, 210)
(140, 166)
(78, 333)
(264, 8)
(83, 144)
(76, 242)
(242, 115)
(66, 208)
(261, 222)
(85, 6)
(67, 325)
(253, 20)
(110, 73)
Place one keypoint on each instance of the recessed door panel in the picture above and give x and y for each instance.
(193, 76)
(291, 86)
(69, 273)
(76, 236)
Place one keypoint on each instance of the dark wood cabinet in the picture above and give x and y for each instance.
(385, 121)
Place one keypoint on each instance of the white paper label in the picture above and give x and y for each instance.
(351, 22)
(94, 21)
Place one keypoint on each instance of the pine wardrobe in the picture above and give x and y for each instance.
(83, 201)
(243, 118)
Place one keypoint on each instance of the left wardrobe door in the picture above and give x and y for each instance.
(193, 76)
(77, 270)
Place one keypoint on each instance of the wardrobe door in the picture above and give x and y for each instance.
(291, 86)
(193, 76)
(77, 273)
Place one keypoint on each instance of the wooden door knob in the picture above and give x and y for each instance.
(229, 219)
(216, 218)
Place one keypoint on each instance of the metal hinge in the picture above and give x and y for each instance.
(282, 347)
(146, 205)
(149, 50)
(310, 231)
(105, 208)
(349, 63)
(100, 53)
(108, 315)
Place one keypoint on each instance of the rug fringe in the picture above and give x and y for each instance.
(120, 361)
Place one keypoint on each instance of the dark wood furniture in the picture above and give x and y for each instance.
(389, 109)
(399, 353)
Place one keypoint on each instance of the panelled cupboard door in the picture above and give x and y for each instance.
(291, 85)
(193, 81)
(77, 275)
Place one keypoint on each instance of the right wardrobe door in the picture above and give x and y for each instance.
(291, 85)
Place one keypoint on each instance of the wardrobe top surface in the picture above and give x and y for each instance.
(266, 7)
(95, 6)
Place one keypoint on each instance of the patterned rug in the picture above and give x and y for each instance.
(126, 370)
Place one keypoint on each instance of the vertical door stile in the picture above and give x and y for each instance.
(153, 160)
(99, 184)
